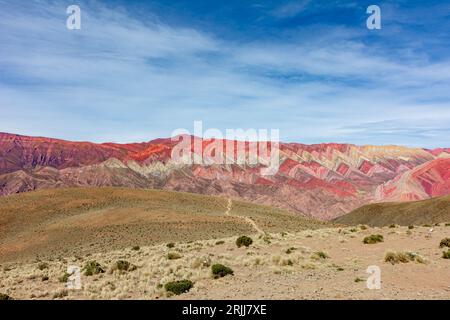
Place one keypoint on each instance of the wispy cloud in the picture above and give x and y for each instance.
(122, 78)
(430, 129)
(290, 9)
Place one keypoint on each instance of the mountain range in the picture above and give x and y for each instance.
(323, 181)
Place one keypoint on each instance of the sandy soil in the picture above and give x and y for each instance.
(265, 270)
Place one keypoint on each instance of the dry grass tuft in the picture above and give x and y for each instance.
(319, 255)
(402, 257)
(173, 256)
(445, 243)
(372, 239)
(446, 254)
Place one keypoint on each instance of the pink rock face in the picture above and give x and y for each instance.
(432, 179)
(440, 151)
(322, 181)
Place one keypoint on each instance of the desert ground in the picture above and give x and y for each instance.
(129, 244)
(327, 263)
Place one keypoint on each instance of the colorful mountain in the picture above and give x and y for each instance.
(431, 179)
(322, 180)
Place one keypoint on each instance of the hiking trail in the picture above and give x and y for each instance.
(247, 219)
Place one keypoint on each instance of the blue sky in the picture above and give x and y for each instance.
(138, 70)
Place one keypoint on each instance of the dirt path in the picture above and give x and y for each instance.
(247, 219)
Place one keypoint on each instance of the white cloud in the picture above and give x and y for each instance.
(120, 78)
(291, 9)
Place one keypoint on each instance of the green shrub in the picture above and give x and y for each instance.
(92, 267)
(446, 255)
(363, 227)
(220, 242)
(136, 248)
(374, 238)
(447, 224)
(445, 243)
(219, 270)
(410, 227)
(392, 226)
(173, 256)
(5, 297)
(244, 241)
(170, 245)
(123, 265)
(179, 287)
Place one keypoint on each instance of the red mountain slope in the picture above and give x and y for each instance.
(323, 180)
(432, 179)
